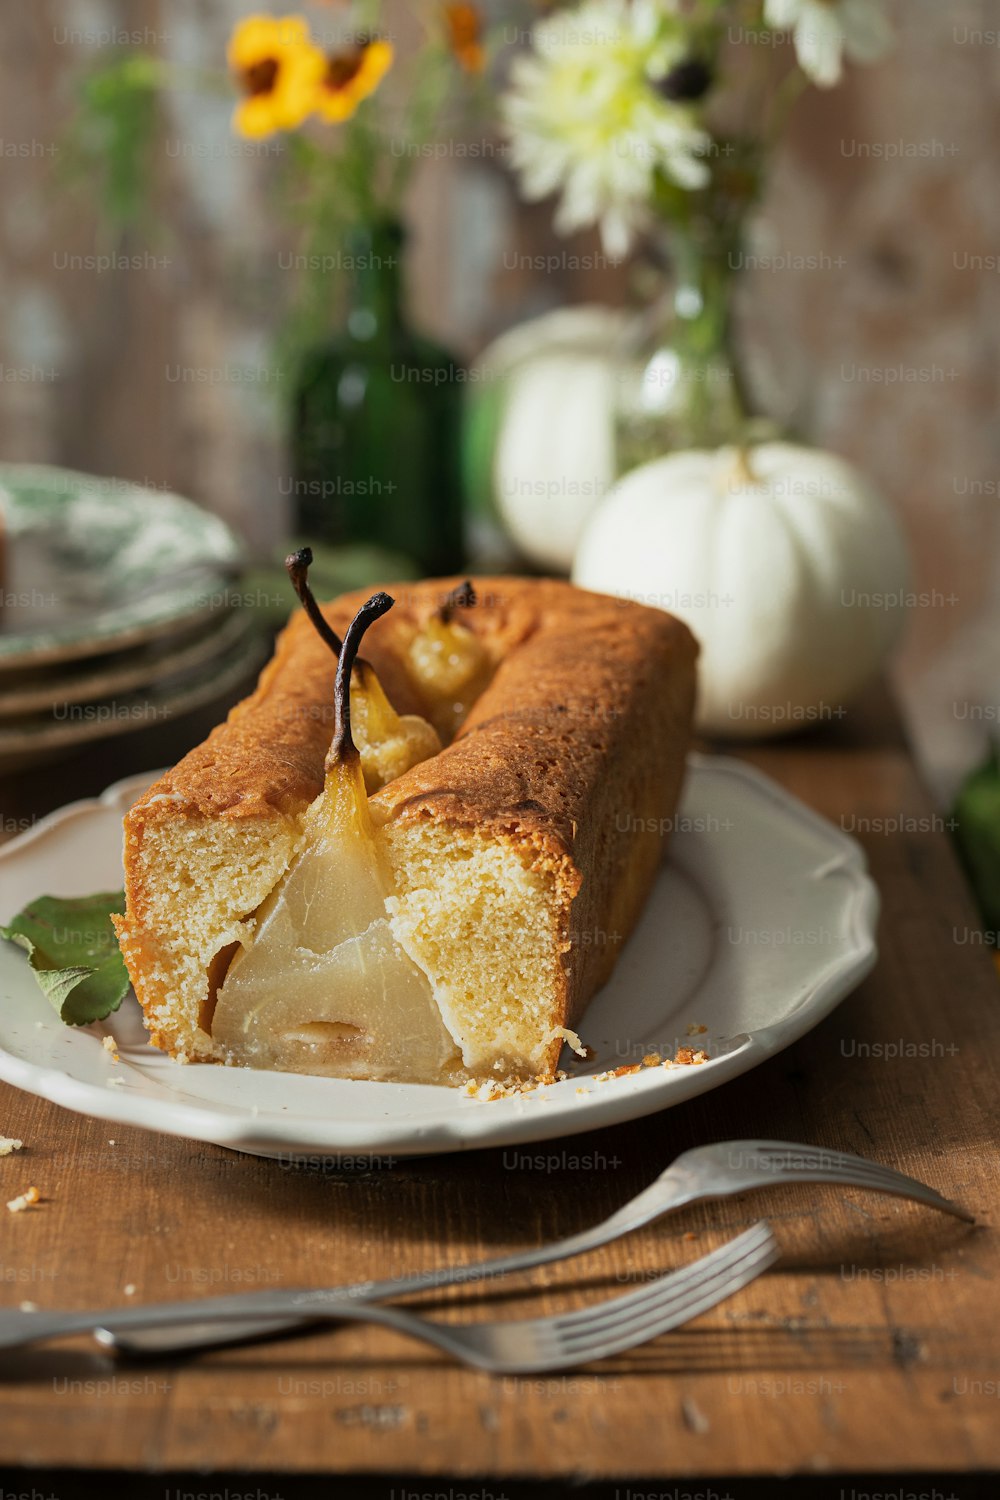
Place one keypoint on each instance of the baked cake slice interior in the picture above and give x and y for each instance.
(376, 952)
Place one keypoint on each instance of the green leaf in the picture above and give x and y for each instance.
(73, 950)
(977, 813)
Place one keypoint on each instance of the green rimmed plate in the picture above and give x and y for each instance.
(97, 565)
(26, 741)
(43, 688)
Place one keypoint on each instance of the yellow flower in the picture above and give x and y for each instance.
(350, 76)
(279, 69)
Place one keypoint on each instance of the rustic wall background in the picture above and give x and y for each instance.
(886, 349)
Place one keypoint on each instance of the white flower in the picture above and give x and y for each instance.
(584, 117)
(824, 30)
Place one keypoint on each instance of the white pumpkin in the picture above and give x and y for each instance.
(554, 457)
(787, 565)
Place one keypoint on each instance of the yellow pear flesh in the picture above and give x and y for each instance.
(321, 986)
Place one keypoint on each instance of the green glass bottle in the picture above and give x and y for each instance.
(376, 423)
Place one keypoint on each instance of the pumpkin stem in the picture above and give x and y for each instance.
(742, 468)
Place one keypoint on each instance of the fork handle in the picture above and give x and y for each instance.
(146, 1339)
(162, 1327)
(225, 1323)
(186, 1338)
(270, 1310)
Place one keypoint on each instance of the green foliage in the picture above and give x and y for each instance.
(73, 950)
(112, 135)
(977, 813)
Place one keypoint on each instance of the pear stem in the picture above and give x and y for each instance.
(462, 597)
(342, 746)
(297, 565)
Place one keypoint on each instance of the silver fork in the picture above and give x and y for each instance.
(513, 1346)
(714, 1171)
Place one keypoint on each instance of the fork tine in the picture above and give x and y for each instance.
(669, 1284)
(738, 1273)
(786, 1155)
(543, 1344)
(820, 1157)
(669, 1289)
(900, 1187)
(623, 1322)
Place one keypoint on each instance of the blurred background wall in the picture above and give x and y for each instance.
(879, 337)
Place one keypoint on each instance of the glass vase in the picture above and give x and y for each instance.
(681, 378)
(681, 385)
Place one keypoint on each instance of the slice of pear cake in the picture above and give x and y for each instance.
(377, 906)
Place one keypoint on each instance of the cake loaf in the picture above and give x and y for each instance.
(456, 925)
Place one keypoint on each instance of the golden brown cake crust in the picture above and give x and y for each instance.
(569, 664)
(575, 752)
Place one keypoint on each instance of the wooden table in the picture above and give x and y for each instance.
(873, 1350)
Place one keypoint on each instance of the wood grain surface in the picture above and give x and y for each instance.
(874, 1347)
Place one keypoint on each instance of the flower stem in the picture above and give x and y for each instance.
(786, 96)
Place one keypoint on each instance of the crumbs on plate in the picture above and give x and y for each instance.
(684, 1057)
(509, 1088)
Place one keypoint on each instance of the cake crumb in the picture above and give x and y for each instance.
(8, 1145)
(694, 1417)
(509, 1088)
(27, 1199)
(488, 1089)
(27, 1307)
(129, 1289)
(570, 1038)
(695, 1029)
(111, 1046)
(684, 1057)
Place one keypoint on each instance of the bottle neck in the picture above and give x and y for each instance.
(374, 292)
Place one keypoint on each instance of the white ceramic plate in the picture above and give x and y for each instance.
(762, 919)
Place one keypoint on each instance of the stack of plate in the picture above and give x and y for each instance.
(119, 608)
